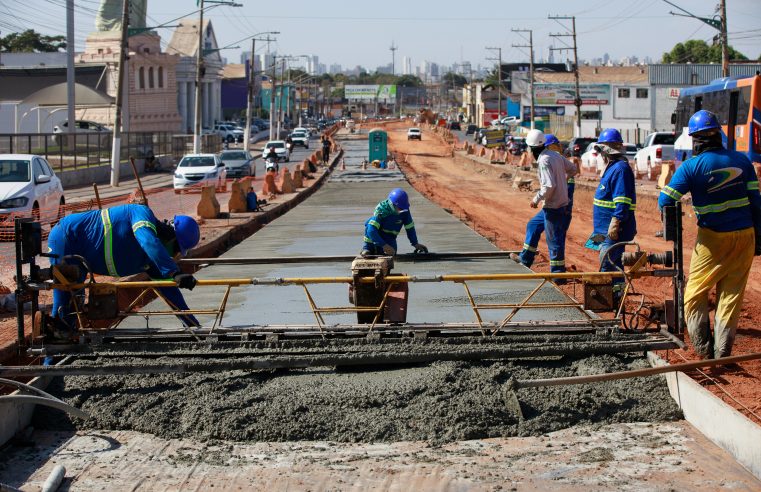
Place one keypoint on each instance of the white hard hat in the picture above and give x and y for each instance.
(535, 138)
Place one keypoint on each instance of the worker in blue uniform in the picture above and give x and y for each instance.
(121, 241)
(387, 221)
(724, 189)
(535, 226)
(615, 201)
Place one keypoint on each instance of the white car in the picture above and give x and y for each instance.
(280, 149)
(300, 136)
(592, 160)
(29, 188)
(198, 170)
(414, 134)
(228, 133)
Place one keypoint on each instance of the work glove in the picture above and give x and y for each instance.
(185, 280)
(614, 228)
(420, 248)
(388, 250)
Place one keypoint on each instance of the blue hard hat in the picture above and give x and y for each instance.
(701, 121)
(399, 198)
(610, 135)
(187, 231)
(550, 139)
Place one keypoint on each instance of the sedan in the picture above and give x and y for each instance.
(29, 188)
(198, 170)
(283, 154)
(238, 163)
(414, 134)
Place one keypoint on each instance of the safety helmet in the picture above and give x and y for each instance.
(701, 121)
(187, 231)
(535, 138)
(398, 197)
(550, 139)
(610, 135)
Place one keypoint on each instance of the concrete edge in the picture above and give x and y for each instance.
(17, 416)
(719, 422)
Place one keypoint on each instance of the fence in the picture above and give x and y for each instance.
(94, 148)
(563, 128)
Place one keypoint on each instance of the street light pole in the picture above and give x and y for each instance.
(199, 75)
(251, 89)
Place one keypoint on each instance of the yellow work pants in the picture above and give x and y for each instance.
(721, 259)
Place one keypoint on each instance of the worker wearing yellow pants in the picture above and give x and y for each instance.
(722, 259)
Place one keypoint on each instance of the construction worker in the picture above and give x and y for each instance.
(614, 204)
(535, 226)
(725, 196)
(325, 149)
(553, 191)
(389, 217)
(121, 241)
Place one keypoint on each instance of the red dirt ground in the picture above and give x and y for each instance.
(477, 194)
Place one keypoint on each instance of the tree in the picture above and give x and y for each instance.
(409, 81)
(450, 79)
(698, 51)
(31, 41)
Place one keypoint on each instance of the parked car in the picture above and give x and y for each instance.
(658, 147)
(92, 133)
(228, 133)
(578, 146)
(414, 134)
(238, 163)
(300, 136)
(29, 188)
(591, 159)
(280, 148)
(196, 170)
(471, 129)
(454, 125)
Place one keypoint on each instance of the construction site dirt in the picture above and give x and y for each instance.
(482, 196)
(445, 425)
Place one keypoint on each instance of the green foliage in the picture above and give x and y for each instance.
(409, 81)
(31, 41)
(451, 79)
(698, 51)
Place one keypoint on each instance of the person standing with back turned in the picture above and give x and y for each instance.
(725, 196)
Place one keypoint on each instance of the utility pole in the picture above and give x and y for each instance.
(499, 79)
(116, 146)
(70, 79)
(251, 91)
(273, 86)
(530, 47)
(200, 71)
(724, 40)
(393, 58)
(280, 99)
(577, 99)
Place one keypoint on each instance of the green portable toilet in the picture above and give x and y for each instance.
(378, 145)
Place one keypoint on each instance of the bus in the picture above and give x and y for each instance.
(736, 101)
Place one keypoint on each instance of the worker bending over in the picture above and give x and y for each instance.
(553, 191)
(535, 226)
(118, 242)
(614, 204)
(389, 217)
(725, 196)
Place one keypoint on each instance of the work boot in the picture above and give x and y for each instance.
(516, 258)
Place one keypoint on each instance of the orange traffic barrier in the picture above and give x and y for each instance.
(298, 178)
(237, 202)
(270, 188)
(208, 206)
(286, 183)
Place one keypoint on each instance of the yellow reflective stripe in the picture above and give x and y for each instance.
(528, 247)
(722, 207)
(752, 185)
(571, 181)
(368, 240)
(671, 192)
(395, 233)
(108, 242)
(144, 223)
(622, 199)
(604, 203)
(409, 226)
(557, 262)
(374, 223)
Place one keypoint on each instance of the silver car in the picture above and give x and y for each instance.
(239, 163)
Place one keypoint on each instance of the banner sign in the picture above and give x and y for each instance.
(554, 94)
(494, 138)
(384, 93)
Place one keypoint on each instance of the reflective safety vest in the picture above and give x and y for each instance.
(615, 197)
(385, 224)
(724, 189)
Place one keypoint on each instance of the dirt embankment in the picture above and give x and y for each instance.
(482, 196)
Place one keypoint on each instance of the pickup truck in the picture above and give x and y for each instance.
(657, 148)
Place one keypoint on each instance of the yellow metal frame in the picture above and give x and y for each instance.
(391, 280)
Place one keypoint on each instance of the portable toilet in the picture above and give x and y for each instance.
(378, 145)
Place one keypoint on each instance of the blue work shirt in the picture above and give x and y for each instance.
(724, 189)
(386, 223)
(615, 197)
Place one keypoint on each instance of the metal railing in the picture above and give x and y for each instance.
(88, 149)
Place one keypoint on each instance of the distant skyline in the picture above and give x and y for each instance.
(440, 31)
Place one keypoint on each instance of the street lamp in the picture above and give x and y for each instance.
(250, 91)
(282, 83)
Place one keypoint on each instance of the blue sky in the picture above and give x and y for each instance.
(443, 31)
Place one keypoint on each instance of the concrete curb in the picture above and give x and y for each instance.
(719, 422)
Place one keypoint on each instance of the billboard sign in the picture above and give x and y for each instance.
(368, 93)
(494, 138)
(555, 94)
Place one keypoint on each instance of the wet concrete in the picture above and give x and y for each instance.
(438, 402)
